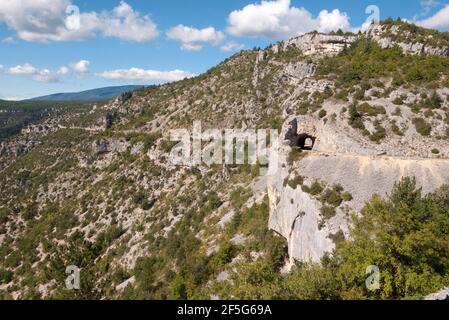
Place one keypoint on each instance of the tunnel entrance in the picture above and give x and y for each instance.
(303, 141)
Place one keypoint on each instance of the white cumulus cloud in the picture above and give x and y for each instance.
(80, 67)
(46, 75)
(63, 71)
(127, 24)
(427, 6)
(332, 21)
(191, 47)
(141, 75)
(278, 19)
(193, 39)
(47, 20)
(232, 46)
(439, 20)
(9, 40)
(22, 70)
(41, 75)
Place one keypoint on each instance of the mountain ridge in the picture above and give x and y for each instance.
(97, 94)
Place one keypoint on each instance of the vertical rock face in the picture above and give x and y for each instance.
(299, 70)
(320, 44)
(338, 158)
(104, 146)
(294, 214)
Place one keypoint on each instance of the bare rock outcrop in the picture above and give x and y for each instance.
(441, 295)
(378, 33)
(317, 44)
(337, 158)
(104, 146)
(320, 44)
(298, 71)
(294, 214)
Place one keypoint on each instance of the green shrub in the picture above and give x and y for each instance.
(3, 215)
(297, 180)
(224, 255)
(276, 252)
(371, 111)
(303, 108)
(408, 240)
(178, 289)
(276, 123)
(396, 130)
(331, 197)
(167, 145)
(398, 80)
(13, 260)
(342, 95)
(435, 151)
(328, 212)
(356, 118)
(141, 199)
(322, 113)
(213, 202)
(30, 212)
(6, 276)
(239, 197)
(346, 196)
(337, 238)
(433, 102)
(105, 239)
(359, 94)
(379, 134)
(294, 155)
(422, 127)
(366, 61)
(315, 189)
(398, 101)
(147, 204)
(149, 141)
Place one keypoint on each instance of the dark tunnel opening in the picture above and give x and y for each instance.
(305, 141)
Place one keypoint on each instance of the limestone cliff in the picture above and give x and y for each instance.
(336, 158)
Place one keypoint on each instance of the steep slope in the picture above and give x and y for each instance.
(93, 186)
(380, 142)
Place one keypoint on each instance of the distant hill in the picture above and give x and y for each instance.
(14, 115)
(89, 95)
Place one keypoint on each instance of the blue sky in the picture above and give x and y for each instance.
(43, 50)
